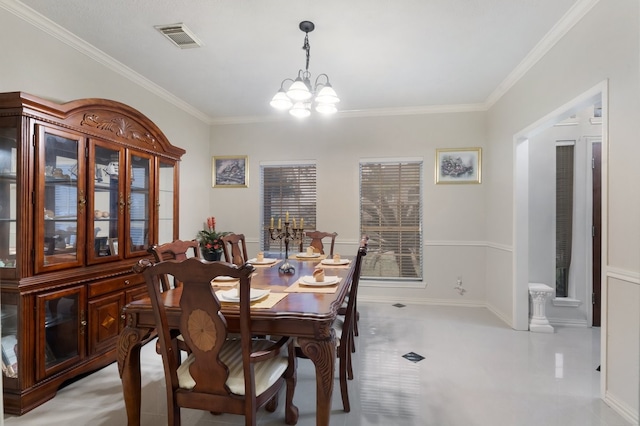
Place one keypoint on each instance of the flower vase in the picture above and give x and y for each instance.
(211, 255)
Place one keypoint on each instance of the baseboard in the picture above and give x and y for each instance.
(414, 301)
(621, 408)
(566, 322)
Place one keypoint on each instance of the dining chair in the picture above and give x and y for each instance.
(220, 375)
(234, 249)
(316, 241)
(344, 327)
(175, 250)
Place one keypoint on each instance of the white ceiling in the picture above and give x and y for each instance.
(381, 55)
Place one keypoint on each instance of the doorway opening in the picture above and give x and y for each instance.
(534, 210)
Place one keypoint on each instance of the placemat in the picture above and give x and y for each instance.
(297, 288)
(268, 302)
(230, 283)
(268, 265)
(309, 259)
(322, 265)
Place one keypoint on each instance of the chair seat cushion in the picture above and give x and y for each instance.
(266, 373)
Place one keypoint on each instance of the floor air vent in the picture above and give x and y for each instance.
(179, 35)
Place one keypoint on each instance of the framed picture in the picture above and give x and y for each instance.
(231, 171)
(113, 246)
(459, 165)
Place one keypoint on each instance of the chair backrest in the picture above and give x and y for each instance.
(175, 250)
(204, 329)
(316, 241)
(354, 277)
(234, 249)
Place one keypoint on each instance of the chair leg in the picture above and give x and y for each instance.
(291, 378)
(344, 356)
(272, 404)
(355, 323)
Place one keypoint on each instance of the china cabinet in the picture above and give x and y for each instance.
(86, 187)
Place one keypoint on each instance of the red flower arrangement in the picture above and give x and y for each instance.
(210, 240)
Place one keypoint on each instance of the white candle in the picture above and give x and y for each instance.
(271, 226)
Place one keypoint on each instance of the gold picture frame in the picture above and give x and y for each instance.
(230, 171)
(458, 165)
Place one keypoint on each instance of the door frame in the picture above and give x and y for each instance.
(597, 94)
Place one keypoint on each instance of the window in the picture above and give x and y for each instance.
(391, 215)
(287, 188)
(564, 215)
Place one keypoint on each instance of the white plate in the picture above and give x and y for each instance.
(331, 262)
(266, 261)
(308, 256)
(232, 295)
(225, 278)
(310, 280)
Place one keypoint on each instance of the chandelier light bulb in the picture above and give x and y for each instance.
(325, 108)
(281, 100)
(299, 91)
(300, 110)
(327, 95)
(301, 94)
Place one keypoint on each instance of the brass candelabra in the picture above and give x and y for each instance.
(287, 234)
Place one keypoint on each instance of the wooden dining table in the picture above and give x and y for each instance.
(308, 315)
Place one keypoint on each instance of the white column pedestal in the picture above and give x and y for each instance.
(538, 321)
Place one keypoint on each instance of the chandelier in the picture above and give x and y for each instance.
(300, 95)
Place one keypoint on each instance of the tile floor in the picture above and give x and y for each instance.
(476, 371)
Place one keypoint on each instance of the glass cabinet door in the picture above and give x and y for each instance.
(60, 200)
(8, 191)
(139, 203)
(60, 329)
(166, 203)
(106, 201)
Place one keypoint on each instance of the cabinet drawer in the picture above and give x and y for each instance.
(136, 294)
(114, 284)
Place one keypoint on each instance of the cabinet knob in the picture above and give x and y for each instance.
(83, 322)
(126, 282)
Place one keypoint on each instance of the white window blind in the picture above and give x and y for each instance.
(391, 215)
(287, 188)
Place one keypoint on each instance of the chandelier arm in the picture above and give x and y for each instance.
(284, 81)
(316, 84)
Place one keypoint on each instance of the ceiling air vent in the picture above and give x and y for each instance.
(179, 35)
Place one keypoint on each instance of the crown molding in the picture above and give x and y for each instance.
(48, 26)
(571, 18)
(559, 30)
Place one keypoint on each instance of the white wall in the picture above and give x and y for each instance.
(39, 64)
(453, 214)
(604, 45)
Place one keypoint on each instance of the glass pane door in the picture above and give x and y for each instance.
(139, 205)
(61, 325)
(61, 200)
(106, 206)
(166, 203)
(8, 191)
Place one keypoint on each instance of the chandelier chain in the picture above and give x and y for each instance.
(307, 48)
